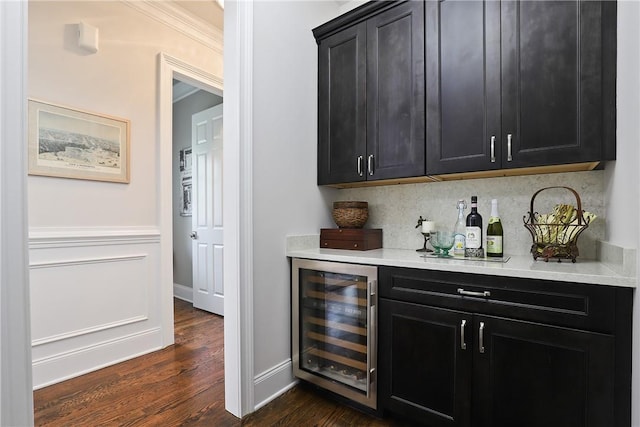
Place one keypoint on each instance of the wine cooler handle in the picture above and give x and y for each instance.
(509, 157)
(360, 160)
(372, 285)
(370, 164)
(463, 344)
(481, 338)
(493, 148)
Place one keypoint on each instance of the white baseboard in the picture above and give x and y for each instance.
(272, 383)
(71, 364)
(182, 292)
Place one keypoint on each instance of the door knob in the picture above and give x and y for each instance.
(194, 235)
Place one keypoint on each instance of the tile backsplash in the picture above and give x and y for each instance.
(396, 208)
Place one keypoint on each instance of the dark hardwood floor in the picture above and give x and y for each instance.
(180, 385)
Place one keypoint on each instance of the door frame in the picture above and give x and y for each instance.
(237, 330)
(16, 388)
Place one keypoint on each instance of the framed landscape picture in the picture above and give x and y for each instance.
(70, 143)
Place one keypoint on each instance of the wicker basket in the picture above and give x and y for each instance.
(555, 240)
(350, 214)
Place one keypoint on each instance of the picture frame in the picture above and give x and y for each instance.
(185, 174)
(185, 197)
(185, 161)
(66, 142)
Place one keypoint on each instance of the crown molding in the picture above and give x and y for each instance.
(177, 18)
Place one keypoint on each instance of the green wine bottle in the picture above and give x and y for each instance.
(494, 232)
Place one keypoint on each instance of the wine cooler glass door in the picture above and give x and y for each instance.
(336, 313)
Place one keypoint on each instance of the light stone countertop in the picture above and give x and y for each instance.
(583, 271)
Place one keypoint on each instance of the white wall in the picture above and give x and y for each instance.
(622, 178)
(286, 198)
(94, 246)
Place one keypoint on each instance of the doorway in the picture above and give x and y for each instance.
(197, 222)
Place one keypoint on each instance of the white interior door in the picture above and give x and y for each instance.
(208, 249)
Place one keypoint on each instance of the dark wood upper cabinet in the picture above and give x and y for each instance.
(342, 119)
(371, 95)
(414, 89)
(395, 93)
(463, 86)
(517, 84)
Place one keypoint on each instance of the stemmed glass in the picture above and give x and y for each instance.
(442, 241)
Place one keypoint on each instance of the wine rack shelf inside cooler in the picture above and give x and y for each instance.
(334, 326)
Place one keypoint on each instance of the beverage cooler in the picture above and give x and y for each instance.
(334, 327)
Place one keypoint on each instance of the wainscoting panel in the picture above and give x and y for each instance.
(87, 295)
(95, 299)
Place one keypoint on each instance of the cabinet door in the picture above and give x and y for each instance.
(424, 371)
(342, 106)
(463, 86)
(395, 93)
(530, 375)
(552, 70)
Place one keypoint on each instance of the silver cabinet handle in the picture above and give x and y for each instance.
(484, 294)
(463, 344)
(493, 148)
(481, 338)
(509, 157)
(370, 164)
(360, 160)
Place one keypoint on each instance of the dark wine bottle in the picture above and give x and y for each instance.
(473, 231)
(494, 232)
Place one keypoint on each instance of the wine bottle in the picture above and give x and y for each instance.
(473, 232)
(459, 230)
(494, 232)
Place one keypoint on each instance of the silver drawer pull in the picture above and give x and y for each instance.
(483, 294)
(481, 338)
(509, 156)
(463, 344)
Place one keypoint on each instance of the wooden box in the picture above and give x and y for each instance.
(357, 239)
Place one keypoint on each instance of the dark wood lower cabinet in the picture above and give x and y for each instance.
(424, 372)
(452, 358)
(531, 375)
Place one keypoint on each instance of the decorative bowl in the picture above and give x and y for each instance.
(349, 214)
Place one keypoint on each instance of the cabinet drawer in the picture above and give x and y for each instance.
(589, 307)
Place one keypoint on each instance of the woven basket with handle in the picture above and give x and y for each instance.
(558, 239)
